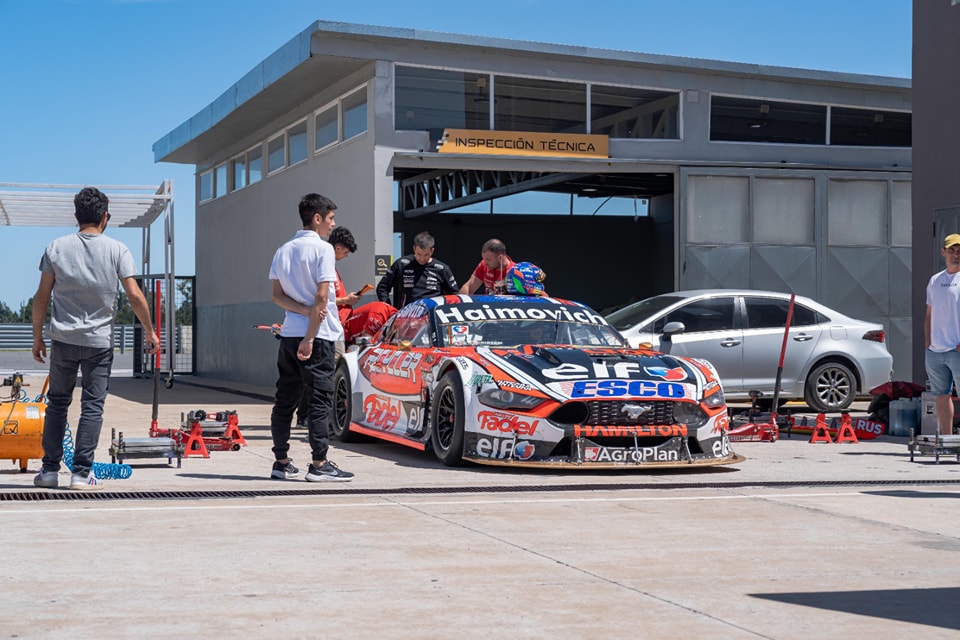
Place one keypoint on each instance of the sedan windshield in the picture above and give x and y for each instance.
(641, 311)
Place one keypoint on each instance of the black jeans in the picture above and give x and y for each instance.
(315, 374)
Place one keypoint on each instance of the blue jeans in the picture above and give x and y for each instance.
(942, 370)
(94, 364)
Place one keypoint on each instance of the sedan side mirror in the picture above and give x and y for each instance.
(671, 329)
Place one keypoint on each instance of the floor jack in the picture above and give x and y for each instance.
(211, 431)
(766, 431)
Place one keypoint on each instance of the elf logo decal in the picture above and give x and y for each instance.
(676, 373)
(502, 448)
(633, 388)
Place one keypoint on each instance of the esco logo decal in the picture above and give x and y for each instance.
(634, 388)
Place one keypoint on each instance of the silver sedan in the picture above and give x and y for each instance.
(829, 360)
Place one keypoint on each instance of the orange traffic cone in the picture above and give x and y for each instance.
(820, 433)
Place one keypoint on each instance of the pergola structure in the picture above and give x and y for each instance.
(51, 205)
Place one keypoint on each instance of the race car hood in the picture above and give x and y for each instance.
(552, 364)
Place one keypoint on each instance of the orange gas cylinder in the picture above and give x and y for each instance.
(21, 434)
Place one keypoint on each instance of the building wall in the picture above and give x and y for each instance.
(936, 146)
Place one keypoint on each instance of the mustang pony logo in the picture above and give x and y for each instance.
(634, 411)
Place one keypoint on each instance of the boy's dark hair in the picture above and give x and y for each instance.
(423, 240)
(89, 205)
(313, 203)
(343, 237)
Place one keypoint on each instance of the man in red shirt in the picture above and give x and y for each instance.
(343, 245)
(490, 272)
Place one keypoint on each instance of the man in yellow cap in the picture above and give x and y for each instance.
(941, 332)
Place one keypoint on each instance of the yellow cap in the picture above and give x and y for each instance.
(951, 240)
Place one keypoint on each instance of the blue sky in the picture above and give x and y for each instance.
(90, 85)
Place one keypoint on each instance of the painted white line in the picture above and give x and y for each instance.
(382, 501)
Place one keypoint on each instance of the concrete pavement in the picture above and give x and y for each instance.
(801, 540)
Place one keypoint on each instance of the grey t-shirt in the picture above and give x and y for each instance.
(87, 268)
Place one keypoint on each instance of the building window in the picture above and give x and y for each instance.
(625, 112)
(354, 108)
(547, 106)
(255, 164)
(220, 180)
(758, 120)
(206, 186)
(276, 154)
(239, 172)
(433, 100)
(870, 127)
(297, 142)
(327, 127)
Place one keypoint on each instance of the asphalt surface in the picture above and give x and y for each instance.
(801, 540)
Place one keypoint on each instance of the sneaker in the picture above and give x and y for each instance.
(47, 479)
(85, 482)
(327, 472)
(284, 471)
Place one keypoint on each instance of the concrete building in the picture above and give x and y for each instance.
(936, 148)
(622, 174)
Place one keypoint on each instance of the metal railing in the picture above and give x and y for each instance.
(19, 336)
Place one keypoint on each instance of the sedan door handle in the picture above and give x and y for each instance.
(802, 337)
(729, 342)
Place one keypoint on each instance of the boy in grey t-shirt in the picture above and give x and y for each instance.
(80, 272)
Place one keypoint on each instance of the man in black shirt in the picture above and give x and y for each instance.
(416, 275)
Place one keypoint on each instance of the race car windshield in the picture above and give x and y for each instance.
(514, 325)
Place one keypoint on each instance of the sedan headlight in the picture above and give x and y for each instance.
(505, 399)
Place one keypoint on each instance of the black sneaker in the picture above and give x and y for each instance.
(284, 471)
(327, 472)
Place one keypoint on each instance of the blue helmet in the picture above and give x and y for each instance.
(525, 279)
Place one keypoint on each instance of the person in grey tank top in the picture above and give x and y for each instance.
(78, 284)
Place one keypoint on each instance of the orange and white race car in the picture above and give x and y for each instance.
(528, 381)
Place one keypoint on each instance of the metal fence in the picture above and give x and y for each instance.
(182, 357)
(19, 337)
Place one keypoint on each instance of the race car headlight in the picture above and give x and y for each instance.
(689, 414)
(505, 399)
(715, 399)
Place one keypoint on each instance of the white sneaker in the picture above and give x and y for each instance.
(47, 479)
(85, 482)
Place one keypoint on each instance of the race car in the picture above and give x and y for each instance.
(528, 381)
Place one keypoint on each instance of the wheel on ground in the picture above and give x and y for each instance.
(168, 383)
(446, 421)
(831, 386)
(342, 406)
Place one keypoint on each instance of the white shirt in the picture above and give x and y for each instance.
(300, 265)
(943, 298)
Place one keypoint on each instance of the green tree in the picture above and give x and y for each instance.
(125, 313)
(7, 314)
(185, 308)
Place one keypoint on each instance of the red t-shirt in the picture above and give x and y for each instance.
(493, 279)
(340, 291)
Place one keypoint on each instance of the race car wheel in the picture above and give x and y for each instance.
(446, 421)
(831, 386)
(342, 407)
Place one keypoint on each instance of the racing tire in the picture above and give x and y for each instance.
(831, 386)
(342, 413)
(446, 421)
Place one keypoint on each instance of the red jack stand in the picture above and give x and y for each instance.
(820, 433)
(213, 430)
(846, 432)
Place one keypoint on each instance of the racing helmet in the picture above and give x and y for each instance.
(525, 279)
